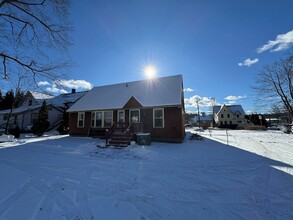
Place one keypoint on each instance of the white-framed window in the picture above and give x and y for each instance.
(101, 119)
(80, 119)
(120, 116)
(158, 118)
(134, 115)
(108, 119)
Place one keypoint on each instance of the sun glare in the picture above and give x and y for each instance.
(150, 71)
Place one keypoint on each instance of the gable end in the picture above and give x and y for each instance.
(132, 103)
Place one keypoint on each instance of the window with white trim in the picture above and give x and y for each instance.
(80, 119)
(121, 116)
(101, 119)
(134, 115)
(158, 118)
(108, 119)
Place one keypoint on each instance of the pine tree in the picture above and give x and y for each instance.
(8, 100)
(1, 100)
(64, 124)
(42, 124)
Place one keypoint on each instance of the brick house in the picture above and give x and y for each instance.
(155, 106)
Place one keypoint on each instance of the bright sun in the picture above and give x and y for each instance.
(150, 71)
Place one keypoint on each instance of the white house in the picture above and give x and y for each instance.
(25, 115)
(229, 116)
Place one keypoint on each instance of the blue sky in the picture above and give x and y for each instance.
(218, 46)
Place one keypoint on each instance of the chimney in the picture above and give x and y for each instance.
(73, 90)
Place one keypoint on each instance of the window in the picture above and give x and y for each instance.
(134, 115)
(80, 120)
(121, 116)
(34, 118)
(222, 116)
(30, 102)
(230, 122)
(102, 119)
(108, 116)
(158, 118)
(228, 115)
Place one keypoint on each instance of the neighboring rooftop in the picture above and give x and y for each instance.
(232, 108)
(41, 96)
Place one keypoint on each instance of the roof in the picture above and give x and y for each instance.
(23, 109)
(63, 100)
(232, 108)
(40, 96)
(164, 91)
(59, 102)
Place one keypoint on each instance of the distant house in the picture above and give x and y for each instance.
(203, 121)
(25, 115)
(229, 116)
(155, 106)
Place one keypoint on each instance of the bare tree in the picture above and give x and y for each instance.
(274, 84)
(33, 38)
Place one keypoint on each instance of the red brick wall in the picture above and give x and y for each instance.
(173, 130)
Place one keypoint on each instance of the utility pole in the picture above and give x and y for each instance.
(198, 114)
(213, 101)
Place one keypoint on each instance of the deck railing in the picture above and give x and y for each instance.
(127, 129)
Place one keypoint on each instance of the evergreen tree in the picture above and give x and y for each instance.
(1, 100)
(64, 124)
(8, 100)
(42, 124)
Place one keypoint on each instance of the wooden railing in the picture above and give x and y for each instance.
(127, 129)
(120, 127)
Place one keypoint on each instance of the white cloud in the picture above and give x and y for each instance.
(54, 89)
(232, 99)
(76, 84)
(248, 62)
(202, 101)
(282, 42)
(188, 90)
(59, 86)
(43, 83)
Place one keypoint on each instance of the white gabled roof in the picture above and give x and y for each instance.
(40, 96)
(164, 91)
(63, 100)
(232, 108)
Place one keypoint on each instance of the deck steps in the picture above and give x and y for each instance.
(120, 139)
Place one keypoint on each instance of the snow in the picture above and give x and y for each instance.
(39, 97)
(6, 138)
(63, 177)
(144, 91)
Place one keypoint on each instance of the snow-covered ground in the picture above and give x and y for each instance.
(62, 177)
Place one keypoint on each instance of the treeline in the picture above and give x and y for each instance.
(10, 100)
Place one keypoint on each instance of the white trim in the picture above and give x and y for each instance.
(132, 110)
(123, 115)
(163, 117)
(79, 118)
